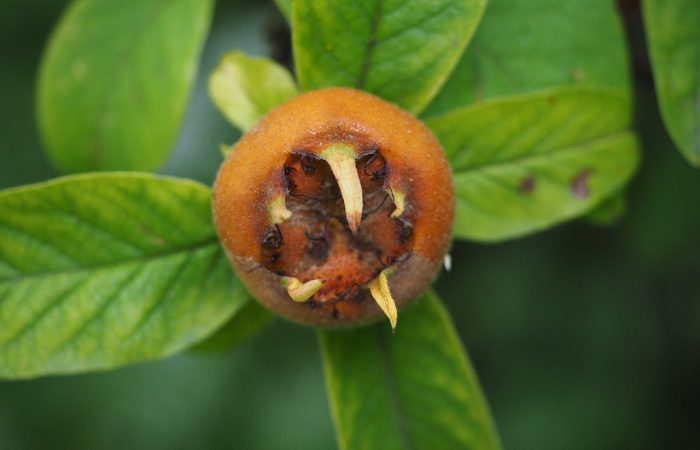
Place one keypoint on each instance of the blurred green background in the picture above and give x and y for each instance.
(583, 337)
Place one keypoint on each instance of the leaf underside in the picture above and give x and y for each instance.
(245, 88)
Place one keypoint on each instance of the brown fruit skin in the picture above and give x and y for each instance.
(252, 175)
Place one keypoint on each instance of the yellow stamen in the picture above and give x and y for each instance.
(301, 292)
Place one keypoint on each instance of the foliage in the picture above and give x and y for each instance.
(115, 82)
(525, 163)
(245, 88)
(378, 395)
(519, 49)
(97, 271)
(673, 32)
(402, 52)
(102, 270)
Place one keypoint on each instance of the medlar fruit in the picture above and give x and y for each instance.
(335, 208)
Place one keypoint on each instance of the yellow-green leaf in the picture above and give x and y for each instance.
(525, 163)
(98, 271)
(245, 88)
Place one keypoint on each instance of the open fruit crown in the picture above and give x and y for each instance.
(335, 208)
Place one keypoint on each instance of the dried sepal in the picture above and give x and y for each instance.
(341, 159)
(379, 288)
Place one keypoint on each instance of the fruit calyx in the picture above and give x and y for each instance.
(338, 226)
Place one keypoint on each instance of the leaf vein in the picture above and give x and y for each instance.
(169, 285)
(370, 45)
(111, 264)
(415, 25)
(533, 157)
(43, 242)
(392, 388)
(52, 305)
(100, 311)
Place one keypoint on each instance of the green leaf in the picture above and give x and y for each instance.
(411, 390)
(609, 212)
(523, 46)
(115, 81)
(249, 321)
(401, 51)
(246, 88)
(285, 7)
(673, 34)
(97, 271)
(525, 163)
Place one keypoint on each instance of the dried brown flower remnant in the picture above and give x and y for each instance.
(336, 208)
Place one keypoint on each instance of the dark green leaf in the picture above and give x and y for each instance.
(608, 212)
(673, 34)
(399, 50)
(525, 163)
(285, 7)
(245, 88)
(412, 390)
(522, 46)
(250, 320)
(97, 271)
(115, 81)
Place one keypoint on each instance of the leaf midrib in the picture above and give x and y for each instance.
(211, 240)
(392, 390)
(370, 45)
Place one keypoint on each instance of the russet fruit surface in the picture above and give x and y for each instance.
(332, 201)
